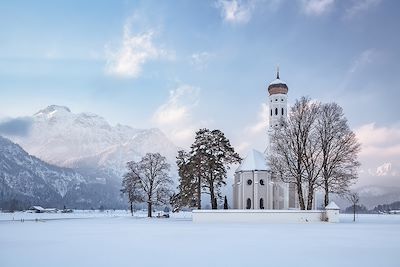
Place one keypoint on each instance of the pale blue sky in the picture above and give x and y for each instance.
(180, 65)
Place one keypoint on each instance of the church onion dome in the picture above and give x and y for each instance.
(255, 161)
(277, 86)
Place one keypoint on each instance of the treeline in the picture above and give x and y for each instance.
(383, 208)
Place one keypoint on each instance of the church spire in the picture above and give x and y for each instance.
(277, 72)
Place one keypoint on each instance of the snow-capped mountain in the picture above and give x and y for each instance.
(28, 175)
(29, 180)
(87, 142)
(386, 169)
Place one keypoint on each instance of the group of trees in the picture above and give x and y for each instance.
(202, 170)
(314, 148)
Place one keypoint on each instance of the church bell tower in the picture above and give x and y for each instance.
(277, 101)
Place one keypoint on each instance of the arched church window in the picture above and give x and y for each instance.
(276, 99)
(276, 111)
(261, 182)
(282, 99)
(282, 111)
(249, 182)
(271, 112)
(248, 204)
(261, 203)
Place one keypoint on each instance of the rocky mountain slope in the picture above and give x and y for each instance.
(88, 143)
(30, 181)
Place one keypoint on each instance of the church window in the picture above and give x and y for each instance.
(248, 204)
(249, 182)
(261, 203)
(261, 182)
(276, 99)
(282, 111)
(276, 111)
(282, 99)
(271, 112)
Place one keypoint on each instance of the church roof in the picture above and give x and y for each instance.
(277, 86)
(255, 161)
(277, 81)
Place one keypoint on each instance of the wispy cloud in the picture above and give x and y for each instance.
(317, 7)
(378, 142)
(175, 116)
(200, 60)
(365, 58)
(359, 6)
(259, 126)
(236, 11)
(178, 106)
(253, 135)
(135, 50)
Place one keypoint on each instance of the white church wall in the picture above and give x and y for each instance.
(263, 216)
(254, 191)
(248, 190)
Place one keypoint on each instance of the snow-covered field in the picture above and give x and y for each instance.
(117, 239)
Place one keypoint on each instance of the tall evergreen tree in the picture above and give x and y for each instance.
(226, 203)
(203, 169)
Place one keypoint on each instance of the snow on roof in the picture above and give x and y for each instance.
(255, 161)
(36, 208)
(332, 206)
(277, 81)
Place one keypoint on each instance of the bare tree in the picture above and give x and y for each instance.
(150, 176)
(294, 154)
(354, 198)
(132, 188)
(339, 149)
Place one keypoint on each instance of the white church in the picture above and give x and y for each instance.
(254, 187)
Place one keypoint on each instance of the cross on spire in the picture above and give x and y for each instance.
(277, 72)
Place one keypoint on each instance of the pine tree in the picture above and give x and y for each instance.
(226, 203)
(203, 169)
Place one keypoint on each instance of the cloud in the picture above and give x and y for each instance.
(261, 125)
(16, 127)
(253, 135)
(178, 106)
(380, 154)
(317, 7)
(365, 58)
(379, 142)
(135, 50)
(200, 60)
(175, 116)
(236, 11)
(359, 6)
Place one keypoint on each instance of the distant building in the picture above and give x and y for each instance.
(36, 209)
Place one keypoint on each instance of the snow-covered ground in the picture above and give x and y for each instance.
(117, 239)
